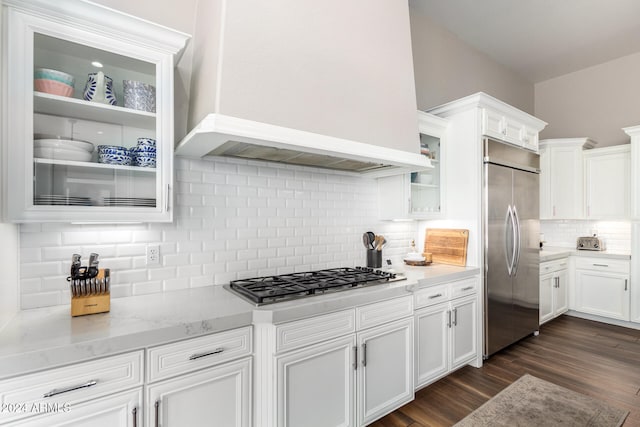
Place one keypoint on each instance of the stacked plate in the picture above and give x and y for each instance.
(59, 200)
(59, 148)
(129, 201)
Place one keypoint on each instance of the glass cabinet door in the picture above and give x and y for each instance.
(90, 125)
(425, 185)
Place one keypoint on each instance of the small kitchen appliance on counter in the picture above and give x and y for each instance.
(286, 287)
(590, 243)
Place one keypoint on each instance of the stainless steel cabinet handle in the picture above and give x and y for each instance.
(449, 318)
(135, 417)
(455, 316)
(600, 265)
(626, 284)
(364, 354)
(157, 405)
(355, 358)
(468, 288)
(56, 391)
(517, 241)
(435, 296)
(166, 202)
(209, 353)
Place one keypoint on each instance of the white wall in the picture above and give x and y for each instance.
(595, 102)
(446, 68)
(9, 276)
(331, 67)
(233, 219)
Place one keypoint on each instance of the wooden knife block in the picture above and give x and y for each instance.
(91, 304)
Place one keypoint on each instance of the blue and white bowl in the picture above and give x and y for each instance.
(145, 161)
(112, 149)
(143, 149)
(146, 142)
(114, 159)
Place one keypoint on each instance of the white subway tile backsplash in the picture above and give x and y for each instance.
(233, 219)
(564, 233)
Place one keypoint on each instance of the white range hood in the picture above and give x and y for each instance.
(220, 135)
(325, 84)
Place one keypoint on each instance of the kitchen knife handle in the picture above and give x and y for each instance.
(455, 316)
(134, 412)
(157, 405)
(364, 354)
(435, 296)
(209, 353)
(56, 391)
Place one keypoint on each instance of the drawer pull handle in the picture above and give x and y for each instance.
(468, 288)
(435, 296)
(56, 391)
(600, 265)
(209, 353)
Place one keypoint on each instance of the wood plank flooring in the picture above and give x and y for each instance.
(592, 358)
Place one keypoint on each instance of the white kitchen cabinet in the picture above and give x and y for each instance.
(607, 177)
(316, 385)
(553, 289)
(218, 396)
(346, 368)
(385, 371)
(602, 287)
(418, 195)
(71, 36)
(504, 127)
(122, 410)
(446, 333)
(562, 177)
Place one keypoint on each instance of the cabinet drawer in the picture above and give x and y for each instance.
(196, 353)
(553, 266)
(464, 287)
(315, 329)
(432, 295)
(70, 384)
(603, 264)
(493, 124)
(383, 312)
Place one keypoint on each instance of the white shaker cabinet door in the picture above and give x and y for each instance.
(464, 343)
(385, 369)
(316, 385)
(561, 296)
(213, 397)
(432, 343)
(547, 290)
(607, 182)
(122, 410)
(603, 294)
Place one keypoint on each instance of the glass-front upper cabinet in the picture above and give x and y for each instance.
(418, 195)
(88, 97)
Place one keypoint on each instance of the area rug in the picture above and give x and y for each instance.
(530, 402)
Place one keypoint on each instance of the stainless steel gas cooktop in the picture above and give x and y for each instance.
(270, 289)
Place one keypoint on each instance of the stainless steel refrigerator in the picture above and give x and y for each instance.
(511, 244)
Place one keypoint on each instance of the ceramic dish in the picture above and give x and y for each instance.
(62, 154)
(67, 144)
(146, 142)
(114, 159)
(143, 149)
(49, 74)
(139, 96)
(144, 161)
(53, 87)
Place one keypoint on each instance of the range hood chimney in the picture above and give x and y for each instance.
(326, 84)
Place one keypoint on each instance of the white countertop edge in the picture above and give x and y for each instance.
(552, 253)
(46, 338)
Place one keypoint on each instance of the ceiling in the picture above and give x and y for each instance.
(541, 39)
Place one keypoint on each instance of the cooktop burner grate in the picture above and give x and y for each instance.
(263, 290)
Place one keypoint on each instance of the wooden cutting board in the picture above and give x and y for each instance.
(447, 245)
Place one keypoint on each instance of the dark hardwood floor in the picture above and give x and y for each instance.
(592, 358)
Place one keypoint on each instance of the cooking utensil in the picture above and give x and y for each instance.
(365, 240)
(75, 265)
(372, 238)
(380, 242)
(93, 265)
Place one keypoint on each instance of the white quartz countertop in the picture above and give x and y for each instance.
(552, 253)
(48, 337)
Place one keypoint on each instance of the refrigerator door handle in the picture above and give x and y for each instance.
(509, 258)
(516, 241)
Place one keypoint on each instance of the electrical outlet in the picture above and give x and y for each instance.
(153, 254)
